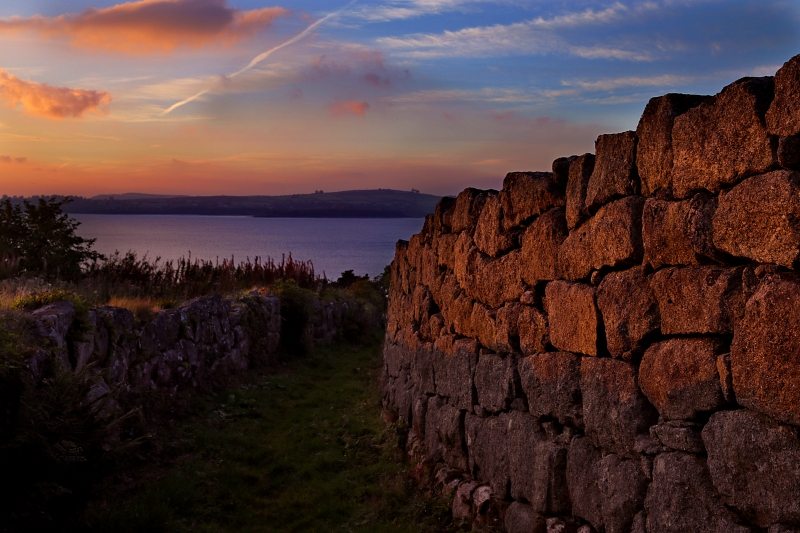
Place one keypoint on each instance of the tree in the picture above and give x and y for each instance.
(42, 239)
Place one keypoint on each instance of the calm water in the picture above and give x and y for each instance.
(334, 245)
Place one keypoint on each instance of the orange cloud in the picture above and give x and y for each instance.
(150, 26)
(47, 101)
(7, 159)
(349, 107)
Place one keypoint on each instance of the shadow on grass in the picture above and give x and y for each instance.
(301, 450)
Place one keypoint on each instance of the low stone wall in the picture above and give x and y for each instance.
(193, 346)
(615, 345)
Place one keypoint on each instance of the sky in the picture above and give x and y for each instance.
(243, 97)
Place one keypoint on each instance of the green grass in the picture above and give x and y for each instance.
(301, 450)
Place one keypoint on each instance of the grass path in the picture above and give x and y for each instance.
(303, 449)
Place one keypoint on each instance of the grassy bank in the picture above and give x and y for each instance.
(303, 449)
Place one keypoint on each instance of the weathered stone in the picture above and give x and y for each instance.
(521, 518)
(540, 244)
(53, 322)
(629, 311)
(494, 380)
(572, 314)
(614, 174)
(454, 372)
(783, 117)
(496, 281)
(482, 499)
(789, 152)
(678, 233)
(580, 170)
(681, 497)
(533, 330)
(495, 330)
(462, 501)
(537, 467)
(680, 436)
(611, 238)
(444, 434)
(679, 376)
(654, 151)
(422, 370)
(526, 195)
(755, 466)
(722, 140)
(623, 486)
(614, 409)
(550, 478)
(444, 248)
(467, 209)
(507, 328)
(698, 299)
(443, 215)
(760, 219)
(561, 171)
(765, 355)
(583, 480)
(551, 382)
(488, 451)
(490, 238)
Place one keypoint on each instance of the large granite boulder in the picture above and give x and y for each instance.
(783, 117)
(765, 355)
(760, 219)
(614, 174)
(611, 238)
(629, 311)
(723, 140)
(698, 299)
(580, 171)
(526, 195)
(573, 317)
(551, 382)
(679, 376)
(654, 151)
(755, 466)
(540, 243)
(678, 233)
(615, 412)
(682, 498)
(490, 237)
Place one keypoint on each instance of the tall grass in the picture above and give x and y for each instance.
(133, 277)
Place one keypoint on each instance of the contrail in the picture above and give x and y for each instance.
(260, 58)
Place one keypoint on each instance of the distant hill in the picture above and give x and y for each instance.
(133, 196)
(379, 203)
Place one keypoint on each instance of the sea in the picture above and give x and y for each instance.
(333, 245)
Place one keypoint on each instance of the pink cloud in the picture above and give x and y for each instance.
(47, 101)
(150, 26)
(349, 108)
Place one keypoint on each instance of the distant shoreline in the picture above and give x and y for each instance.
(368, 204)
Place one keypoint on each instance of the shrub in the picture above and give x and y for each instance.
(39, 238)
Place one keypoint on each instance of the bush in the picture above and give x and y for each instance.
(39, 238)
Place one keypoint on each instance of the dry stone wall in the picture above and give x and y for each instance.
(194, 346)
(615, 345)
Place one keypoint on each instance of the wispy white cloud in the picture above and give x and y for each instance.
(611, 84)
(492, 95)
(408, 9)
(540, 35)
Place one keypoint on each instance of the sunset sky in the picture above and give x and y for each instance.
(248, 97)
